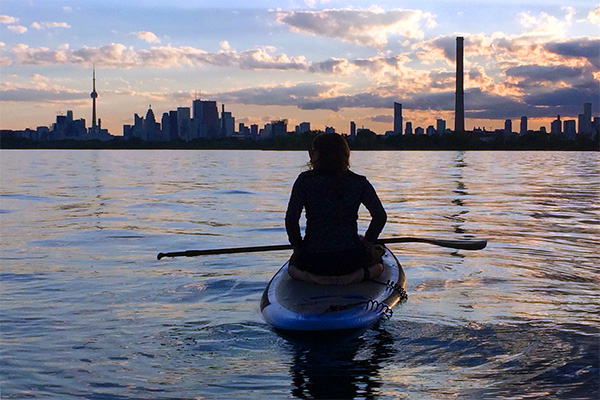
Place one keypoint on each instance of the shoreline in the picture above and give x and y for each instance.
(365, 140)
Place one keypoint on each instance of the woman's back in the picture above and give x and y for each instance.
(332, 202)
(331, 194)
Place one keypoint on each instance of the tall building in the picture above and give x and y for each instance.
(279, 128)
(166, 126)
(508, 126)
(183, 123)
(243, 130)
(352, 130)
(409, 130)
(523, 129)
(397, 118)
(66, 127)
(228, 123)
(223, 121)
(440, 126)
(197, 110)
(569, 131)
(205, 116)
(556, 125)
(304, 127)
(94, 96)
(151, 127)
(459, 105)
(173, 127)
(585, 126)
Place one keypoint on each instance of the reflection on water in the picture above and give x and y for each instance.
(86, 310)
(342, 368)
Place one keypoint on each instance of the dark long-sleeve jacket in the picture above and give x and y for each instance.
(331, 202)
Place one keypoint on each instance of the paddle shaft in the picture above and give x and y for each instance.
(453, 244)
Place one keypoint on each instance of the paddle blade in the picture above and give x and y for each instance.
(450, 243)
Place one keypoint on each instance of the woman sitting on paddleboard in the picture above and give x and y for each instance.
(332, 252)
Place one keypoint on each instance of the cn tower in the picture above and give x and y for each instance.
(94, 96)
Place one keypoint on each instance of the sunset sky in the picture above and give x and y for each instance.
(326, 62)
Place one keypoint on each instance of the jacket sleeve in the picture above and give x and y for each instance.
(293, 213)
(378, 214)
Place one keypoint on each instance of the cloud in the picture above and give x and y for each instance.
(478, 103)
(39, 89)
(288, 95)
(365, 27)
(117, 55)
(569, 96)
(7, 19)
(40, 95)
(545, 24)
(594, 16)
(583, 48)
(147, 36)
(382, 118)
(506, 75)
(358, 100)
(17, 28)
(535, 75)
(44, 25)
(336, 66)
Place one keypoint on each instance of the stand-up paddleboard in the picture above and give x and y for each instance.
(291, 305)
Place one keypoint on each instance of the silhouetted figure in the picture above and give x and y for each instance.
(332, 251)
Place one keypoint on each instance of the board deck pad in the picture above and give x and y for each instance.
(307, 298)
(291, 304)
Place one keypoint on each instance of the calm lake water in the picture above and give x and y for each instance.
(87, 312)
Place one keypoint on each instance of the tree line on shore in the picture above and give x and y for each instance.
(365, 140)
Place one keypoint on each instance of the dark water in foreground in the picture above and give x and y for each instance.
(86, 310)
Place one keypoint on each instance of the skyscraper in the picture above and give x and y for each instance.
(508, 126)
(94, 96)
(459, 108)
(586, 126)
(183, 123)
(397, 118)
(569, 130)
(523, 129)
(440, 126)
(556, 125)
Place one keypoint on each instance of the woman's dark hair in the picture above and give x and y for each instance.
(333, 153)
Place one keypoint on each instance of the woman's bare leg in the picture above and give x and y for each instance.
(353, 277)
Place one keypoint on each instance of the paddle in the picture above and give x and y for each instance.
(453, 244)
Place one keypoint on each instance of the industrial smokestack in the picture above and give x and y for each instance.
(459, 106)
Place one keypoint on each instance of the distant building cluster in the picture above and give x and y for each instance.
(568, 129)
(203, 121)
(66, 128)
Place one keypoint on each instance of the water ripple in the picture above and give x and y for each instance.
(88, 312)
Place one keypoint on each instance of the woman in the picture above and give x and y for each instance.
(332, 252)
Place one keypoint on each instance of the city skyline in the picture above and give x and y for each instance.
(533, 58)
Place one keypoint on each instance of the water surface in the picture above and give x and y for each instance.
(88, 312)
